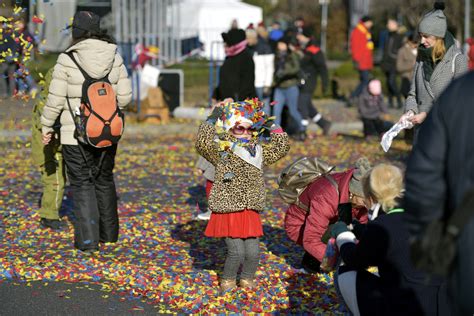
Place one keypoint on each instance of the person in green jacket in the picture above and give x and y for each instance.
(285, 82)
(50, 161)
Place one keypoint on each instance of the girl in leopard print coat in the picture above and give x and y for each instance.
(239, 139)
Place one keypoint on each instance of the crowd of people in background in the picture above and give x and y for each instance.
(365, 210)
(285, 65)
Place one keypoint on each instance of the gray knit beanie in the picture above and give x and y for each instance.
(434, 22)
(362, 166)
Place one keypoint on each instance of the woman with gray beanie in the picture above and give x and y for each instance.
(439, 61)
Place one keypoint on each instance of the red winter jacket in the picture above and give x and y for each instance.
(470, 41)
(362, 47)
(321, 196)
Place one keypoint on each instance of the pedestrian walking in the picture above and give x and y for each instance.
(313, 65)
(362, 48)
(89, 169)
(393, 43)
(285, 83)
(50, 161)
(406, 59)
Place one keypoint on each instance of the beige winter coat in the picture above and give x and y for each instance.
(97, 58)
(406, 60)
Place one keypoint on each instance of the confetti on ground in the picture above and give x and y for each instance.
(162, 256)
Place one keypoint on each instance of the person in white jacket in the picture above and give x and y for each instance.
(94, 194)
(263, 59)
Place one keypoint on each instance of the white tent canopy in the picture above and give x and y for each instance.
(58, 15)
(207, 19)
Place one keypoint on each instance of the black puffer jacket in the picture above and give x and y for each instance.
(237, 77)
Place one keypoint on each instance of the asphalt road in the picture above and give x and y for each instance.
(59, 298)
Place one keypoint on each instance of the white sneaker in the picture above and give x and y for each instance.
(204, 216)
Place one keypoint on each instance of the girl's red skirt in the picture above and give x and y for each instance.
(243, 224)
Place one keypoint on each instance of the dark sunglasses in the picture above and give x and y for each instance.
(240, 130)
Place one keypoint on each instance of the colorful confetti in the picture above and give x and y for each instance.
(162, 256)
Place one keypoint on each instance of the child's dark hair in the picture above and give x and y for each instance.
(103, 36)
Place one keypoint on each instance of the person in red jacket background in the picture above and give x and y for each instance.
(362, 48)
(470, 42)
(324, 196)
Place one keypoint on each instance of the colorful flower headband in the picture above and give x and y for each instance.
(231, 114)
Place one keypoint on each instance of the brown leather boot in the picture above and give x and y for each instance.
(247, 283)
(227, 284)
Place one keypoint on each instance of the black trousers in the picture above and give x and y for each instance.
(375, 127)
(305, 105)
(392, 87)
(94, 197)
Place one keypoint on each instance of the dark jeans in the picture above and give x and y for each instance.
(288, 96)
(95, 199)
(363, 82)
(392, 87)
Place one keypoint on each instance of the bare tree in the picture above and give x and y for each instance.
(413, 11)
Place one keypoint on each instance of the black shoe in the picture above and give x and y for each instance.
(90, 252)
(54, 224)
(310, 264)
(301, 136)
(325, 125)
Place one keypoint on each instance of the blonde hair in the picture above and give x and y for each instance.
(384, 184)
(438, 50)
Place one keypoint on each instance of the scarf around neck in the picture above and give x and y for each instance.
(248, 150)
(425, 55)
(235, 49)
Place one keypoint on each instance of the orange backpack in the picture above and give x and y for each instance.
(99, 121)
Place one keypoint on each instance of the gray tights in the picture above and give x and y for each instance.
(241, 251)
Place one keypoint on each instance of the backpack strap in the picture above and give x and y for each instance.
(334, 184)
(84, 73)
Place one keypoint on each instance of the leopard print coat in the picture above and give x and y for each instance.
(246, 189)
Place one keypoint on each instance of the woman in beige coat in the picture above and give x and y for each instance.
(406, 59)
(90, 169)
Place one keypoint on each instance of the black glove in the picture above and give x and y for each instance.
(344, 212)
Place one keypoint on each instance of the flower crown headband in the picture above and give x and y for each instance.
(231, 114)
